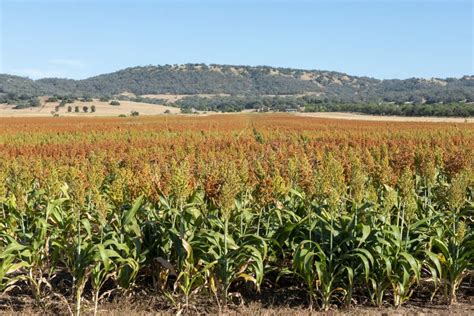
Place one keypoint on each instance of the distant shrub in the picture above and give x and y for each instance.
(85, 109)
(104, 99)
(186, 111)
(62, 103)
(147, 100)
(52, 99)
(76, 109)
(134, 113)
(20, 106)
(122, 115)
(115, 103)
(93, 108)
(167, 112)
(69, 108)
(34, 102)
(86, 99)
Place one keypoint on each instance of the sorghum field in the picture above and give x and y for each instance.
(207, 214)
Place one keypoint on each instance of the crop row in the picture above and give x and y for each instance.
(199, 208)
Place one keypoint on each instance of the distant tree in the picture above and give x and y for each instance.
(93, 108)
(34, 102)
(115, 103)
(62, 103)
(76, 109)
(134, 113)
(86, 99)
(167, 112)
(52, 99)
(104, 99)
(186, 110)
(69, 108)
(85, 109)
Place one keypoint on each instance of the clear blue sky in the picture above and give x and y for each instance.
(377, 38)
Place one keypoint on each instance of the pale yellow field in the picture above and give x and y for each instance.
(175, 97)
(126, 107)
(102, 109)
(366, 117)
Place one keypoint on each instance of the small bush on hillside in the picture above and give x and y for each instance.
(115, 103)
(186, 111)
(34, 102)
(52, 99)
(20, 106)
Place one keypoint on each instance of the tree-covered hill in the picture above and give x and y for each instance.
(245, 81)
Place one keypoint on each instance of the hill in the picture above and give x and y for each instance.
(244, 87)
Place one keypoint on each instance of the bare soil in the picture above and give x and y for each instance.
(274, 299)
(153, 305)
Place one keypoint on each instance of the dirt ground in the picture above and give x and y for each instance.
(153, 305)
(279, 300)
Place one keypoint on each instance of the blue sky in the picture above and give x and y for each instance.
(377, 38)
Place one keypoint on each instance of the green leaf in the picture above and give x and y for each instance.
(130, 214)
(365, 233)
(413, 263)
